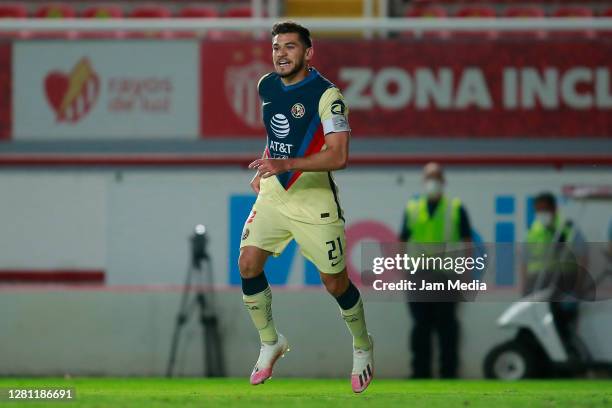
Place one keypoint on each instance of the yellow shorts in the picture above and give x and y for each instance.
(270, 230)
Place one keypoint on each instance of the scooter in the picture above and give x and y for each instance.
(538, 350)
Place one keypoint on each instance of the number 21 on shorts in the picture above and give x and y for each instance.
(335, 251)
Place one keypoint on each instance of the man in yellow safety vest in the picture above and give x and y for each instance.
(555, 255)
(550, 240)
(434, 218)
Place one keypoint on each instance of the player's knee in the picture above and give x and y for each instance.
(248, 266)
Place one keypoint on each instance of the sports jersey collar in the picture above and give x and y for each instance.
(311, 75)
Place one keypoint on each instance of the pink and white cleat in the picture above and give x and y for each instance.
(268, 354)
(363, 368)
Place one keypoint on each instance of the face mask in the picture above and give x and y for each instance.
(545, 218)
(433, 187)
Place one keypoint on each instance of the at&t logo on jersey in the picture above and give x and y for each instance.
(280, 126)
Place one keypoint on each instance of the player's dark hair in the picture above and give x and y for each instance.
(293, 27)
(546, 198)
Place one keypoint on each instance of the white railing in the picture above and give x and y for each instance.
(325, 24)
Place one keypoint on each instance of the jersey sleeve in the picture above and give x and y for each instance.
(333, 111)
(259, 90)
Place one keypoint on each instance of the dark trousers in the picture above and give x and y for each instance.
(429, 318)
(565, 316)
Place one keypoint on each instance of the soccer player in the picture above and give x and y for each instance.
(308, 137)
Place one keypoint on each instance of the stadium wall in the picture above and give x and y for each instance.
(133, 224)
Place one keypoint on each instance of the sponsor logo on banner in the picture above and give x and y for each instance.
(241, 91)
(229, 101)
(72, 95)
(105, 90)
(150, 95)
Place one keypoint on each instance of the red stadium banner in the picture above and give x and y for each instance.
(6, 71)
(454, 88)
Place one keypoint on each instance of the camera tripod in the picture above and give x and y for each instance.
(199, 278)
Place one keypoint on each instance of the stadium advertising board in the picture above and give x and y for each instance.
(102, 218)
(105, 89)
(456, 88)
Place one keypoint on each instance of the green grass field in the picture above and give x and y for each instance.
(227, 393)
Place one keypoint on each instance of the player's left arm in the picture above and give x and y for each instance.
(333, 113)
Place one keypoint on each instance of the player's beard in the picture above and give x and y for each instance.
(299, 66)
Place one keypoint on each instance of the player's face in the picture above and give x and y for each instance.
(289, 54)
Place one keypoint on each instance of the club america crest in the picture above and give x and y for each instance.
(298, 110)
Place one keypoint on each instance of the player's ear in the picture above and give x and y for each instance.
(309, 53)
